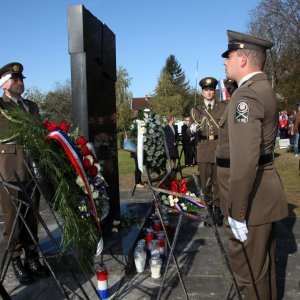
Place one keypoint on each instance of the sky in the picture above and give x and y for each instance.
(35, 33)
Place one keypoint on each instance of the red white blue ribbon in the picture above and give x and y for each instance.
(193, 202)
(224, 95)
(73, 156)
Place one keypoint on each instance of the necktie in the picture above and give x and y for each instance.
(21, 105)
(209, 107)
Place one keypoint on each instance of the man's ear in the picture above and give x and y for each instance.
(244, 60)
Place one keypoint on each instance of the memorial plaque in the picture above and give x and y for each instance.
(93, 75)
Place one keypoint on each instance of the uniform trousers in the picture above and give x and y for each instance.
(21, 237)
(253, 262)
(209, 184)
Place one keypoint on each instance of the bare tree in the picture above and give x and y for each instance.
(279, 22)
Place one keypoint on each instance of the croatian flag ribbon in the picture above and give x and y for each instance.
(196, 203)
(73, 156)
(224, 95)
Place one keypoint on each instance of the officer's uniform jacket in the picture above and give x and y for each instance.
(11, 154)
(207, 138)
(248, 131)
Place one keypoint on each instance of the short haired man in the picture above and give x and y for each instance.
(206, 117)
(252, 197)
(12, 159)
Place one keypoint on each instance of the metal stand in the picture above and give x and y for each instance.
(171, 247)
(3, 292)
(28, 204)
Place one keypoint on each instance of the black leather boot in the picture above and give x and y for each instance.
(21, 273)
(33, 265)
(218, 217)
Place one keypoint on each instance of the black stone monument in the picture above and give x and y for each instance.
(93, 75)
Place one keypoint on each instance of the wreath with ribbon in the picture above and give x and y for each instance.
(67, 160)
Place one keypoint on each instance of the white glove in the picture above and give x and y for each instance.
(193, 128)
(239, 229)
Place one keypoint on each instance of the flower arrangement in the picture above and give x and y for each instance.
(155, 156)
(175, 202)
(66, 161)
(96, 183)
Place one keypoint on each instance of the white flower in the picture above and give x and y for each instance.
(151, 131)
(163, 197)
(90, 146)
(79, 181)
(91, 188)
(95, 194)
(170, 197)
(176, 200)
(144, 130)
(166, 202)
(115, 222)
(172, 203)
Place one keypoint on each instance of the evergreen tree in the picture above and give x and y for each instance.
(172, 93)
(177, 76)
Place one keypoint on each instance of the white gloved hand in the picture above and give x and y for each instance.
(193, 128)
(239, 229)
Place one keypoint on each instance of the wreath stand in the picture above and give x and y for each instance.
(27, 203)
(177, 229)
(170, 246)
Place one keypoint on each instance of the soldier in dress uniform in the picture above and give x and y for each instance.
(252, 197)
(206, 117)
(12, 159)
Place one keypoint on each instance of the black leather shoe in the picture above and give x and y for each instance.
(34, 266)
(218, 216)
(21, 273)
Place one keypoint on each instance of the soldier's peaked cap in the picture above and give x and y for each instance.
(238, 40)
(208, 82)
(14, 68)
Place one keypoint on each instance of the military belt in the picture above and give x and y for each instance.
(263, 160)
(211, 137)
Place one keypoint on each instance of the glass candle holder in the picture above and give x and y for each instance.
(155, 266)
(139, 259)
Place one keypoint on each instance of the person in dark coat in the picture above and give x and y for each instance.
(12, 159)
(187, 143)
(171, 135)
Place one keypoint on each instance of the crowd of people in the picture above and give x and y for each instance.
(289, 128)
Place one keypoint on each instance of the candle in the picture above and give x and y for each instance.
(155, 266)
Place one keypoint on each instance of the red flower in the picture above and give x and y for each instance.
(64, 126)
(174, 186)
(87, 163)
(183, 189)
(93, 171)
(85, 150)
(50, 126)
(163, 186)
(81, 140)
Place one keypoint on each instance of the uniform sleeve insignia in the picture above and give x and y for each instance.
(242, 109)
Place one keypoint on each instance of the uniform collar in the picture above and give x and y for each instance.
(212, 103)
(248, 76)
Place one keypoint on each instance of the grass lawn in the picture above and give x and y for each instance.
(286, 164)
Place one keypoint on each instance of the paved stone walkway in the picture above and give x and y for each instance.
(204, 273)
